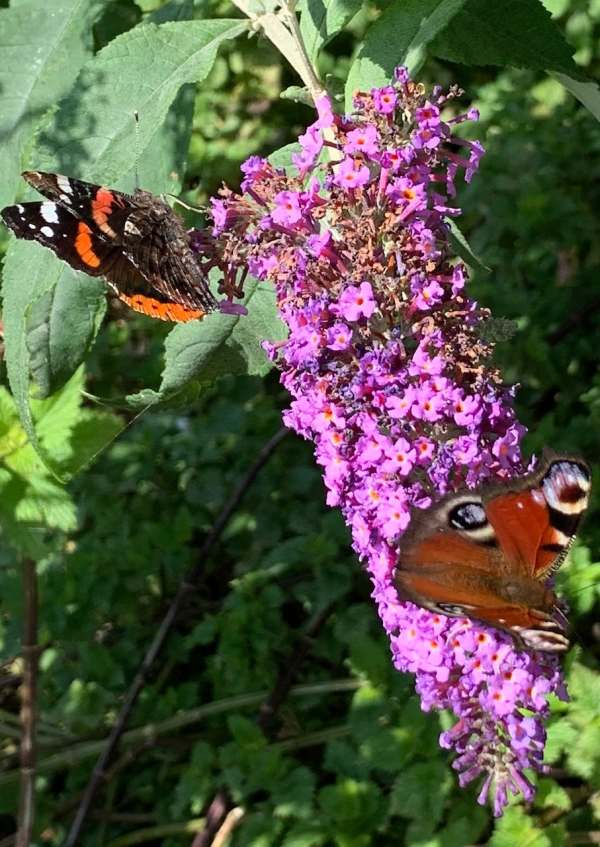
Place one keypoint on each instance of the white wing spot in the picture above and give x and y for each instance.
(131, 228)
(47, 231)
(32, 226)
(64, 185)
(20, 209)
(48, 212)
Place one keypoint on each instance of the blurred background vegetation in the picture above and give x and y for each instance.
(352, 765)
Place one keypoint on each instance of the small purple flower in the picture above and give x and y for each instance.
(385, 99)
(339, 337)
(399, 458)
(318, 244)
(350, 174)
(429, 295)
(357, 302)
(287, 209)
(364, 140)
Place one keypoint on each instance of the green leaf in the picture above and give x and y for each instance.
(282, 158)
(549, 794)
(38, 64)
(26, 279)
(587, 93)
(515, 827)
(420, 791)
(561, 736)
(462, 248)
(297, 94)
(92, 133)
(60, 327)
(398, 37)
(56, 416)
(584, 686)
(91, 434)
(519, 33)
(322, 19)
(354, 809)
(218, 345)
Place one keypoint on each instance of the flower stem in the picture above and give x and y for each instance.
(282, 30)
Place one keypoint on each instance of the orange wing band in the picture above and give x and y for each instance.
(163, 311)
(83, 245)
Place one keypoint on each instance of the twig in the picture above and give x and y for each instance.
(216, 815)
(221, 805)
(282, 30)
(188, 584)
(30, 650)
(148, 734)
(229, 824)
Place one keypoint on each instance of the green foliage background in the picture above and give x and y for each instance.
(352, 762)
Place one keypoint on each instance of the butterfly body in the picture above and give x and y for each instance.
(487, 554)
(134, 241)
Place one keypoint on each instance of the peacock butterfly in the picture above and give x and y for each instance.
(486, 554)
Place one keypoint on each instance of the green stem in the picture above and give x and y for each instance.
(88, 749)
(153, 833)
(283, 31)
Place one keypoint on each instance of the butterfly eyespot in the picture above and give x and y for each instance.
(467, 516)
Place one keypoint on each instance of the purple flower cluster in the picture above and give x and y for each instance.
(391, 379)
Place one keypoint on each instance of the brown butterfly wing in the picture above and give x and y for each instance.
(484, 555)
(136, 242)
(156, 242)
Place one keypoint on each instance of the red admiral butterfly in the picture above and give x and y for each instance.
(135, 241)
(486, 554)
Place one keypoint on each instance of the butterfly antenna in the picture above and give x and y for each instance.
(199, 209)
(137, 149)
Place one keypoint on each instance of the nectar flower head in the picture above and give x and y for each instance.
(390, 377)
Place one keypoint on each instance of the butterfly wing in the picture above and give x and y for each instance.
(71, 239)
(135, 242)
(536, 522)
(484, 554)
(157, 243)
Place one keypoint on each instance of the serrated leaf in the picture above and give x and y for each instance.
(55, 418)
(142, 70)
(551, 794)
(37, 67)
(420, 791)
(518, 33)
(398, 37)
(91, 434)
(561, 735)
(584, 686)
(583, 756)
(322, 19)
(47, 503)
(515, 827)
(218, 345)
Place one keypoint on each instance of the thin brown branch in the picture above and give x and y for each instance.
(189, 584)
(28, 691)
(229, 824)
